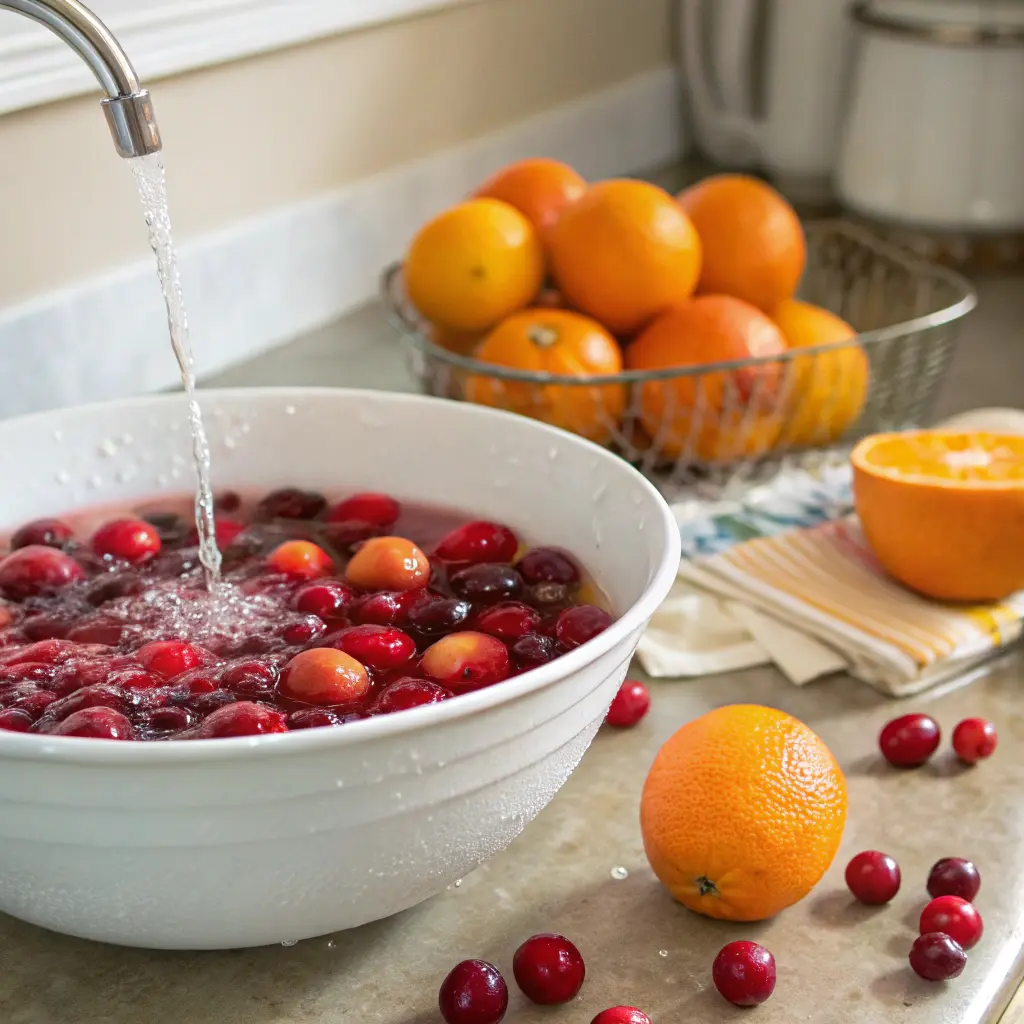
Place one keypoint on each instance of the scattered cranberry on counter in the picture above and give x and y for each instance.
(622, 1015)
(974, 739)
(744, 973)
(631, 703)
(873, 877)
(954, 876)
(473, 993)
(937, 957)
(909, 741)
(549, 969)
(954, 917)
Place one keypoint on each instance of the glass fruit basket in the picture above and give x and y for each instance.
(720, 425)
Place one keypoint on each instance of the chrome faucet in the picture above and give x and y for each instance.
(128, 108)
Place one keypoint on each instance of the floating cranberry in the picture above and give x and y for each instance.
(955, 917)
(467, 661)
(473, 993)
(300, 559)
(404, 694)
(378, 647)
(241, 719)
(622, 1015)
(48, 533)
(329, 599)
(577, 625)
(909, 741)
(101, 696)
(549, 969)
(347, 536)
(169, 658)
(45, 627)
(130, 540)
(631, 703)
(227, 501)
(15, 721)
(377, 510)
(441, 615)
(487, 583)
(954, 876)
(252, 679)
(205, 702)
(98, 723)
(35, 570)
(744, 973)
(386, 608)
(313, 718)
(34, 704)
(548, 565)
(166, 720)
(324, 676)
(224, 531)
(111, 586)
(136, 680)
(534, 650)
(508, 621)
(873, 877)
(479, 541)
(937, 957)
(49, 652)
(290, 503)
(388, 563)
(97, 630)
(303, 631)
(974, 739)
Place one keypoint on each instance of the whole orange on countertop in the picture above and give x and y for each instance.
(717, 415)
(623, 253)
(538, 188)
(943, 511)
(753, 243)
(742, 812)
(473, 265)
(561, 342)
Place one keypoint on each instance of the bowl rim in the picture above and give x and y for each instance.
(79, 750)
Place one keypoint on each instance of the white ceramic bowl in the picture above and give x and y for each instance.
(251, 841)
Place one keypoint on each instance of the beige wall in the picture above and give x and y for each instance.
(245, 137)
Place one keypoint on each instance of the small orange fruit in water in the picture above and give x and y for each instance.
(742, 812)
(323, 675)
(388, 563)
(300, 558)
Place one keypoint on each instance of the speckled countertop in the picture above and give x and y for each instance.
(838, 962)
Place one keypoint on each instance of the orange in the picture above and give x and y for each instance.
(943, 511)
(826, 391)
(473, 265)
(460, 342)
(560, 342)
(753, 242)
(539, 189)
(623, 253)
(718, 415)
(742, 812)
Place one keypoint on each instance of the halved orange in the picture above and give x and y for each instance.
(944, 510)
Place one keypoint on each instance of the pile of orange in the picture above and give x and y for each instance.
(541, 271)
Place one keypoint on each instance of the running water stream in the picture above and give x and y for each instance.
(151, 181)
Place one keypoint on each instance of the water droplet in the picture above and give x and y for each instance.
(662, 952)
(331, 944)
(619, 873)
(290, 942)
(458, 883)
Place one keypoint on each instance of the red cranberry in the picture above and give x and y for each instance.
(169, 658)
(300, 559)
(29, 671)
(96, 723)
(130, 540)
(329, 599)
(375, 509)
(303, 631)
(313, 718)
(388, 608)
(622, 1015)
(97, 630)
(473, 993)
(290, 503)
(87, 697)
(487, 583)
(224, 530)
(227, 501)
(15, 721)
(508, 621)
(346, 536)
(744, 973)
(467, 661)
(873, 877)
(534, 649)
(974, 739)
(954, 917)
(49, 652)
(954, 876)
(205, 702)
(909, 741)
(324, 675)
(46, 627)
(111, 586)
(409, 693)
(441, 615)
(937, 957)
(631, 703)
(548, 565)
(135, 680)
(34, 704)
(252, 679)
(577, 625)
(35, 570)
(166, 719)
(479, 541)
(49, 533)
(378, 647)
(241, 719)
(549, 969)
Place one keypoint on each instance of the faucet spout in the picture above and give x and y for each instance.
(128, 108)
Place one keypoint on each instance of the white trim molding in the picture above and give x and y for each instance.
(167, 37)
(264, 281)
